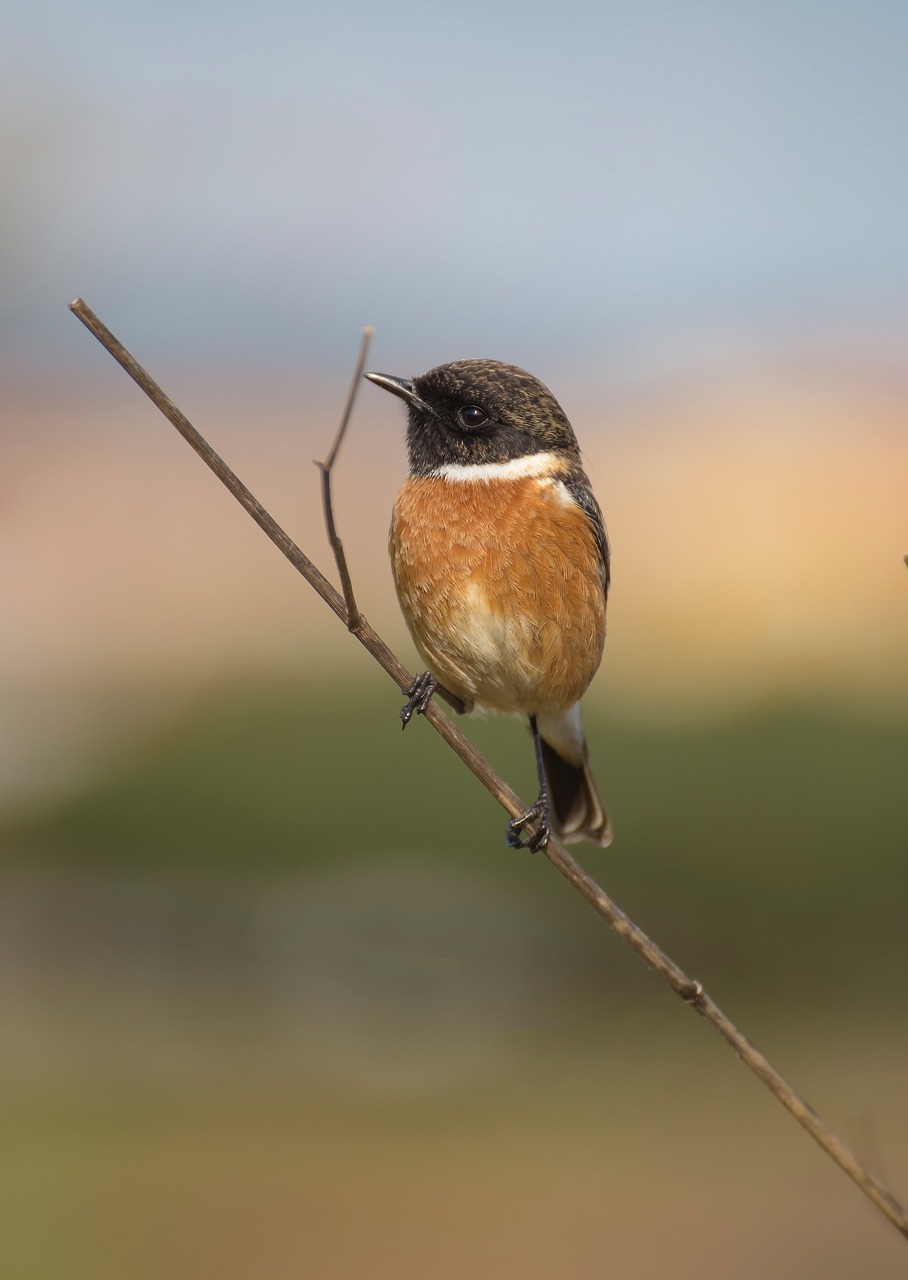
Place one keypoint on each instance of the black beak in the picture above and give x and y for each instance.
(401, 387)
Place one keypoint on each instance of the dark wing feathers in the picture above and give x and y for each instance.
(578, 486)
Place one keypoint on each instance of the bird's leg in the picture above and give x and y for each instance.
(533, 828)
(420, 695)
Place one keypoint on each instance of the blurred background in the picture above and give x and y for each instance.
(276, 998)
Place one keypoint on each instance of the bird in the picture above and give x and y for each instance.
(500, 560)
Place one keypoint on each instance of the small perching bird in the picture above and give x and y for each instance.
(501, 563)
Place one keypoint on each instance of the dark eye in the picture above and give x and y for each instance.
(472, 416)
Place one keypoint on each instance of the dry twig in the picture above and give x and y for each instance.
(353, 614)
(689, 990)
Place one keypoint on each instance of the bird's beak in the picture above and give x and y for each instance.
(401, 387)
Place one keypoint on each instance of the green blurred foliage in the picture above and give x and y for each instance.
(760, 850)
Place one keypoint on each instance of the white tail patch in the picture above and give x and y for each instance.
(564, 732)
(534, 464)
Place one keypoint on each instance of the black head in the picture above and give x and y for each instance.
(472, 412)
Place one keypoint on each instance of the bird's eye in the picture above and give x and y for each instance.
(472, 416)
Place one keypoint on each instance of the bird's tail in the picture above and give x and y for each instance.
(577, 807)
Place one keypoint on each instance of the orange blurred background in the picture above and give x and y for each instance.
(757, 517)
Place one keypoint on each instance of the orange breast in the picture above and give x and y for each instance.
(500, 583)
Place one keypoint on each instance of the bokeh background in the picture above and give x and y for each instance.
(277, 1001)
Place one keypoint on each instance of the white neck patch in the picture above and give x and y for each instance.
(534, 464)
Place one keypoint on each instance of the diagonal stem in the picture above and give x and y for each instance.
(690, 991)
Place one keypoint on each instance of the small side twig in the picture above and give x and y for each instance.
(689, 990)
(354, 617)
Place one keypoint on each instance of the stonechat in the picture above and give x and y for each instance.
(501, 563)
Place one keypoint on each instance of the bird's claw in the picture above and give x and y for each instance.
(532, 829)
(420, 695)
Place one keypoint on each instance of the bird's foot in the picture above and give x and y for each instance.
(420, 695)
(533, 828)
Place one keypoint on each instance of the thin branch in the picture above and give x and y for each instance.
(354, 617)
(689, 990)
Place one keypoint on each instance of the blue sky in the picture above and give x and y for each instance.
(601, 185)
